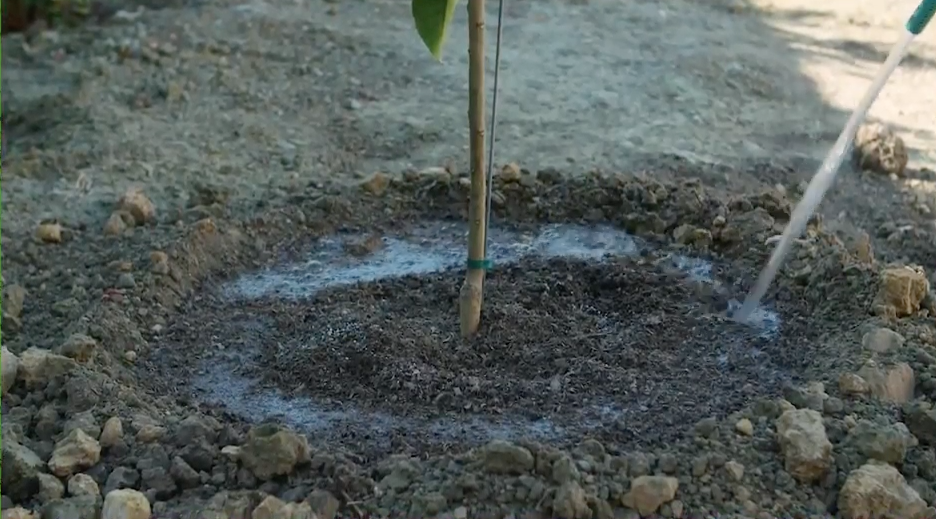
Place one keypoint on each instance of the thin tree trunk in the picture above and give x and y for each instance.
(472, 292)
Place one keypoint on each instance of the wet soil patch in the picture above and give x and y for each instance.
(622, 350)
(632, 346)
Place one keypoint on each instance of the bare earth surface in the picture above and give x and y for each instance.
(275, 314)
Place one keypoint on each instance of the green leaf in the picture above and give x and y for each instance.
(433, 18)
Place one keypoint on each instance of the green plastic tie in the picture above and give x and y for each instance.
(921, 17)
(482, 264)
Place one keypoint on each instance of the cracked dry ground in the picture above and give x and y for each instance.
(99, 418)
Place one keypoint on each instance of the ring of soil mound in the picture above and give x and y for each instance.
(627, 343)
(605, 318)
(621, 351)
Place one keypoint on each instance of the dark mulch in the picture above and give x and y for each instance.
(624, 349)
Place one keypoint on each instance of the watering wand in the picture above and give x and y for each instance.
(822, 181)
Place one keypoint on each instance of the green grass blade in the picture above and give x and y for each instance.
(433, 18)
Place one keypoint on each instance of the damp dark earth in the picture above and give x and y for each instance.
(588, 331)
(234, 236)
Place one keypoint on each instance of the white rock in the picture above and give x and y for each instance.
(889, 383)
(807, 451)
(112, 432)
(83, 485)
(18, 513)
(273, 451)
(274, 508)
(77, 346)
(648, 493)
(73, 453)
(745, 427)
(125, 504)
(37, 366)
(231, 452)
(879, 490)
(882, 340)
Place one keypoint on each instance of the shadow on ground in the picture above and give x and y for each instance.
(866, 201)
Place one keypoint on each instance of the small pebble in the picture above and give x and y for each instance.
(49, 232)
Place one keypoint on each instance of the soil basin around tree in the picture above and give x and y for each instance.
(586, 331)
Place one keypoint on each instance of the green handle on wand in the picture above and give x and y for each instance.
(921, 17)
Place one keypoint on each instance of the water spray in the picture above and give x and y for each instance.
(823, 179)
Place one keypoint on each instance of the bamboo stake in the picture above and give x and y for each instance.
(472, 292)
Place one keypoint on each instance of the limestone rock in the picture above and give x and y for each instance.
(882, 340)
(225, 505)
(150, 433)
(503, 457)
(877, 490)
(49, 232)
(135, 202)
(205, 226)
(648, 493)
(853, 384)
(745, 427)
(902, 289)
(510, 172)
(116, 224)
(83, 485)
(231, 452)
(735, 470)
(807, 451)
(301, 510)
(377, 184)
(893, 384)
(689, 234)
(18, 513)
(13, 299)
(571, 502)
(274, 508)
(564, 469)
(879, 149)
(9, 365)
(324, 503)
(272, 451)
(125, 504)
(73, 453)
(112, 432)
(270, 508)
(78, 346)
(37, 366)
(159, 263)
(863, 249)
